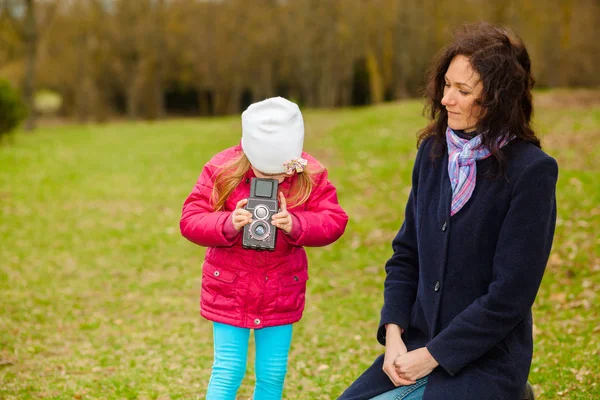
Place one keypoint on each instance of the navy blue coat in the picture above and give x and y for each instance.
(463, 286)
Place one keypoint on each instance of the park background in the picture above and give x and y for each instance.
(128, 99)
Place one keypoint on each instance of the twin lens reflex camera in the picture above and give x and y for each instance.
(263, 204)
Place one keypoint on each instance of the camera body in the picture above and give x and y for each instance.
(260, 234)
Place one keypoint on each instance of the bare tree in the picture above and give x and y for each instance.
(30, 33)
(159, 44)
(115, 55)
(26, 27)
(29, 21)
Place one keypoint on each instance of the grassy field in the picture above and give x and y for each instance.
(99, 292)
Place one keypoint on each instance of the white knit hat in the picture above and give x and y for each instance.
(272, 134)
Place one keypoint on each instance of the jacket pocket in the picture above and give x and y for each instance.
(292, 292)
(218, 287)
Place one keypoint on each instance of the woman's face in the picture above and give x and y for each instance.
(461, 89)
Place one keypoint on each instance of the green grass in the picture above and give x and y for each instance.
(99, 292)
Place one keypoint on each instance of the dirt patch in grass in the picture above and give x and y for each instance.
(571, 98)
(574, 151)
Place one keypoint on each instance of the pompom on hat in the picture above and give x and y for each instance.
(273, 136)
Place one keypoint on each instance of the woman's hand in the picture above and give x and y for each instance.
(415, 364)
(394, 348)
(283, 219)
(240, 216)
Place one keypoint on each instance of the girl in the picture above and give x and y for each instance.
(469, 258)
(246, 289)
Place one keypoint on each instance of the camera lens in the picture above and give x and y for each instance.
(261, 212)
(259, 230)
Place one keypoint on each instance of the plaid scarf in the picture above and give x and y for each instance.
(462, 166)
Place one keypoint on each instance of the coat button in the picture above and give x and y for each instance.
(295, 278)
(437, 286)
(444, 226)
(257, 321)
(217, 273)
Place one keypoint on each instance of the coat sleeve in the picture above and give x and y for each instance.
(519, 262)
(402, 269)
(199, 223)
(323, 221)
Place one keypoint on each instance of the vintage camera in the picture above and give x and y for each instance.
(263, 204)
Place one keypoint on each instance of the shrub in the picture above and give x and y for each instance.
(12, 109)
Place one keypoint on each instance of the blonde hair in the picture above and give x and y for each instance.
(231, 174)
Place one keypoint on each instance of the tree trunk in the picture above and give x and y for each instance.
(566, 17)
(132, 90)
(203, 102)
(31, 42)
(82, 103)
(160, 49)
(221, 101)
(158, 94)
(265, 87)
(375, 78)
(233, 105)
(406, 15)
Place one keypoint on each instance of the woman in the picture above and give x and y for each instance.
(469, 258)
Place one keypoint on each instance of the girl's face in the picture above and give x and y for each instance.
(279, 177)
(462, 87)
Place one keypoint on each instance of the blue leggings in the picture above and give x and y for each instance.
(231, 351)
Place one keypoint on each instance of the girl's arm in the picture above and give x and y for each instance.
(199, 223)
(323, 221)
(519, 263)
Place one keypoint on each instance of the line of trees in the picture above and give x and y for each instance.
(147, 58)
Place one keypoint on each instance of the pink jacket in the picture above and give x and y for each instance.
(249, 288)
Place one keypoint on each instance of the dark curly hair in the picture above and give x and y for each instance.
(502, 62)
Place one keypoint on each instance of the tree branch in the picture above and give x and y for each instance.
(45, 23)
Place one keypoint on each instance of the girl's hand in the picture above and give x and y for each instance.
(415, 364)
(283, 219)
(240, 217)
(394, 348)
